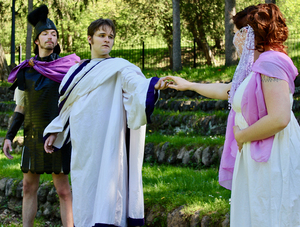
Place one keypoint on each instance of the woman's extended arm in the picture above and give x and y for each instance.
(215, 90)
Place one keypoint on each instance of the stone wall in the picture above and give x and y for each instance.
(6, 94)
(203, 156)
(11, 194)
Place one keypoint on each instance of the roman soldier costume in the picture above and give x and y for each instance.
(39, 79)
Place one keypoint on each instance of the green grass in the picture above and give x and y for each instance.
(166, 187)
(170, 187)
(4, 84)
(208, 74)
(3, 132)
(11, 168)
(179, 141)
(38, 222)
(198, 113)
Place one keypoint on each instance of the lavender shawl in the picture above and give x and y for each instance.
(272, 64)
(54, 70)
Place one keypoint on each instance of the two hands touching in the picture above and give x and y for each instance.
(173, 82)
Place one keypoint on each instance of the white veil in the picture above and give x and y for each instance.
(246, 49)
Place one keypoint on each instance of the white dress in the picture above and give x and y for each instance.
(267, 194)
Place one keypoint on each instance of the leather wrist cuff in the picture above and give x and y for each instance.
(17, 122)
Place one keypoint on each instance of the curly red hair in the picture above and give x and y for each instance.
(240, 19)
(269, 27)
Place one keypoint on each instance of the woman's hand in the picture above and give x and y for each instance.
(178, 83)
(49, 142)
(237, 133)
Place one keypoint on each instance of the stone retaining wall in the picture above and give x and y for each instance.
(11, 194)
(6, 94)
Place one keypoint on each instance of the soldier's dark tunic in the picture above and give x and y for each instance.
(41, 107)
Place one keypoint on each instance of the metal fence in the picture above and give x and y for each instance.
(156, 55)
(149, 55)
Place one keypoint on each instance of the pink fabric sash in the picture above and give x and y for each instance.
(272, 64)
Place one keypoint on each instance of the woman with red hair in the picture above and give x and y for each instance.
(264, 175)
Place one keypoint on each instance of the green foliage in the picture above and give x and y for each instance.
(204, 17)
(155, 18)
(137, 21)
(4, 84)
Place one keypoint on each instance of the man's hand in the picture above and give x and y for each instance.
(7, 148)
(161, 84)
(49, 142)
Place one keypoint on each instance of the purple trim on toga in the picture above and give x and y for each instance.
(152, 96)
(70, 79)
(136, 221)
(130, 221)
(65, 87)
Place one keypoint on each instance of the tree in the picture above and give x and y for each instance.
(270, 1)
(230, 52)
(3, 65)
(153, 18)
(204, 19)
(29, 31)
(176, 36)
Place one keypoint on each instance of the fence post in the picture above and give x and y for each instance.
(20, 53)
(194, 52)
(12, 50)
(143, 56)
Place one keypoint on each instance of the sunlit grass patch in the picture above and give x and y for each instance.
(4, 131)
(183, 140)
(209, 74)
(171, 187)
(11, 168)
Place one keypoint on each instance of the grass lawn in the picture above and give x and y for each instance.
(11, 168)
(165, 187)
(171, 187)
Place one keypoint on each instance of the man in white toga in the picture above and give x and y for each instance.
(104, 106)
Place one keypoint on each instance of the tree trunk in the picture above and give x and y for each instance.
(230, 52)
(62, 39)
(270, 1)
(69, 42)
(4, 70)
(170, 49)
(210, 60)
(204, 46)
(176, 37)
(29, 32)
